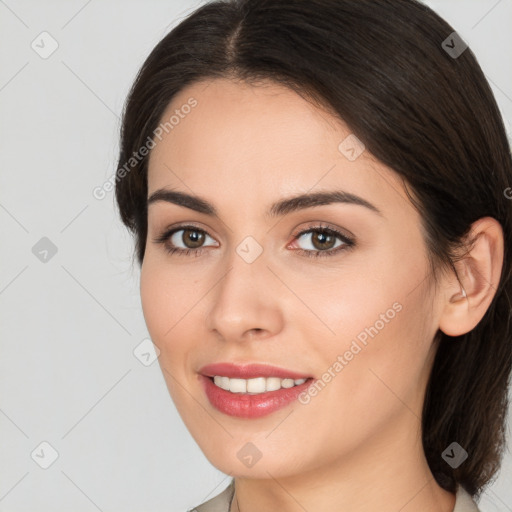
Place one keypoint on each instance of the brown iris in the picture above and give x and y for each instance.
(325, 241)
(194, 237)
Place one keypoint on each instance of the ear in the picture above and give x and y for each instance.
(479, 273)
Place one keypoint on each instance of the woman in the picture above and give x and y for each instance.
(317, 191)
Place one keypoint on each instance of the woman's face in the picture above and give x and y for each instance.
(358, 319)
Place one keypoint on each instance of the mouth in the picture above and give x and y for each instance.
(257, 385)
(250, 371)
(253, 390)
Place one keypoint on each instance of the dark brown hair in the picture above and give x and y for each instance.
(430, 115)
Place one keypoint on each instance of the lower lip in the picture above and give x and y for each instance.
(243, 405)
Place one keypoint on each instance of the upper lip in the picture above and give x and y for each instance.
(249, 371)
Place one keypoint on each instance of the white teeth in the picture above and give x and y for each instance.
(237, 385)
(256, 385)
(273, 383)
(287, 383)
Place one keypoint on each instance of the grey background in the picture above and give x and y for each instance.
(70, 324)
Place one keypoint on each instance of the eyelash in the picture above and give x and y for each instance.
(348, 243)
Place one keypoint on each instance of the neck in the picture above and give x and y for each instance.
(388, 473)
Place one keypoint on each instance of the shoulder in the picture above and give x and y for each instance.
(464, 502)
(219, 503)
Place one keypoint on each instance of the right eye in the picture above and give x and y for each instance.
(191, 238)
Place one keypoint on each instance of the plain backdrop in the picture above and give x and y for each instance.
(76, 395)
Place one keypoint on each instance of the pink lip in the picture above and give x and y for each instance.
(249, 371)
(243, 405)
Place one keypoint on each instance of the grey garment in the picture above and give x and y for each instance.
(219, 503)
(222, 502)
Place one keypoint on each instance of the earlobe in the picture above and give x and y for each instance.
(479, 272)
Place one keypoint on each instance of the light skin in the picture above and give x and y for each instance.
(356, 445)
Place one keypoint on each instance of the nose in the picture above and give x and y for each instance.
(246, 303)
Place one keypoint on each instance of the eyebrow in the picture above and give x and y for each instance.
(279, 208)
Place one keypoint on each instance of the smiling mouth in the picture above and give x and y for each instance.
(257, 385)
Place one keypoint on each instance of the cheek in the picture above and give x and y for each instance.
(369, 288)
(164, 312)
(153, 287)
(162, 306)
(359, 306)
(384, 357)
(382, 332)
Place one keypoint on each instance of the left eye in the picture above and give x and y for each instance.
(318, 240)
(193, 237)
(321, 241)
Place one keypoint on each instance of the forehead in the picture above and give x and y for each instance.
(256, 141)
(262, 120)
